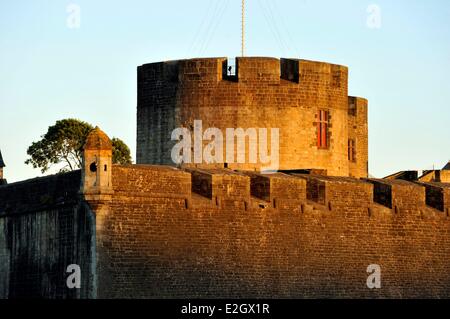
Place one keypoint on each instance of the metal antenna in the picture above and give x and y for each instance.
(243, 29)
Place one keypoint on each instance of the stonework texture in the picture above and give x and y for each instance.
(166, 232)
(265, 93)
(158, 231)
(45, 227)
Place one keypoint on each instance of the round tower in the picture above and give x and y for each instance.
(320, 127)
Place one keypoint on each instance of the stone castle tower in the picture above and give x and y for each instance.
(320, 126)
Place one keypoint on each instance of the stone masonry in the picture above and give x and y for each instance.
(153, 230)
(163, 232)
(264, 93)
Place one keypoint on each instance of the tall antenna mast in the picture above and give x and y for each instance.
(243, 29)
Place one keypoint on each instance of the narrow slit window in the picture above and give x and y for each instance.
(351, 150)
(322, 129)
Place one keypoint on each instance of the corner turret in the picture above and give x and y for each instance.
(96, 176)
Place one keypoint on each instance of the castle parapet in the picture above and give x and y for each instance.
(398, 194)
(171, 185)
(48, 192)
(309, 72)
(410, 176)
(281, 190)
(438, 196)
(438, 176)
(247, 70)
(259, 70)
(224, 187)
(201, 70)
(357, 107)
(345, 193)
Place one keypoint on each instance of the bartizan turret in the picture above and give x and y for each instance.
(96, 176)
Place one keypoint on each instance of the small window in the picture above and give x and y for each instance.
(106, 167)
(351, 150)
(322, 129)
(93, 167)
(352, 109)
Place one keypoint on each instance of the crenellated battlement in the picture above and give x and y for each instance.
(438, 196)
(396, 194)
(338, 193)
(279, 191)
(250, 190)
(247, 70)
(358, 107)
(243, 190)
(41, 193)
(408, 197)
(224, 188)
(177, 219)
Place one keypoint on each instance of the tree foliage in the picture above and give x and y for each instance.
(121, 152)
(63, 143)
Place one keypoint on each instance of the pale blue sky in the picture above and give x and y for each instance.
(49, 71)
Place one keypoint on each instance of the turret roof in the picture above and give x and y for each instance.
(98, 140)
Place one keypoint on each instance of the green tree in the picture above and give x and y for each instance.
(63, 143)
(120, 152)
